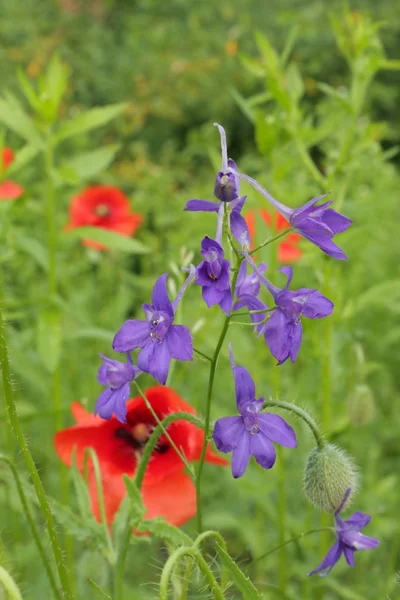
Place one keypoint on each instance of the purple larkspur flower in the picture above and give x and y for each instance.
(213, 275)
(253, 432)
(283, 331)
(117, 376)
(158, 338)
(349, 540)
(246, 294)
(226, 186)
(317, 223)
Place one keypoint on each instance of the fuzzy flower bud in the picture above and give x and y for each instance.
(361, 405)
(328, 474)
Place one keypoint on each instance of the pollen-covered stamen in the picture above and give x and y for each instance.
(102, 210)
(137, 437)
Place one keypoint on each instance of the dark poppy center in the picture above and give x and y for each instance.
(137, 437)
(102, 210)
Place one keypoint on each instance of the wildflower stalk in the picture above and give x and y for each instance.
(36, 536)
(217, 537)
(186, 578)
(9, 585)
(157, 432)
(205, 356)
(33, 472)
(302, 414)
(201, 563)
(271, 239)
(213, 368)
(290, 541)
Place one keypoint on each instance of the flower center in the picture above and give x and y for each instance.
(102, 210)
(137, 437)
(159, 325)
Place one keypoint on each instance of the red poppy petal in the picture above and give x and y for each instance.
(266, 217)
(9, 190)
(81, 415)
(281, 222)
(174, 498)
(211, 457)
(7, 157)
(250, 219)
(83, 206)
(113, 492)
(288, 252)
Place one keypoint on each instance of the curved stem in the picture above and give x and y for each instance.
(33, 472)
(299, 412)
(218, 540)
(294, 539)
(186, 578)
(32, 525)
(271, 239)
(159, 430)
(202, 564)
(9, 585)
(205, 356)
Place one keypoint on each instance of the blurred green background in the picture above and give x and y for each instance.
(256, 68)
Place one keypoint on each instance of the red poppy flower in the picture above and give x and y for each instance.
(102, 206)
(9, 190)
(167, 491)
(288, 249)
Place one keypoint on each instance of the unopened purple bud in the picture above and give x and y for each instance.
(227, 184)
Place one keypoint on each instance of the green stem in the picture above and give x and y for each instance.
(9, 585)
(253, 312)
(102, 593)
(213, 368)
(159, 430)
(205, 356)
(270, 240)
(202, 564)
(186, 578)
(218, 540)
(160, 423)
(309, 163)
(36, 536)
(302, 414)
(294, 539)
(37, 483)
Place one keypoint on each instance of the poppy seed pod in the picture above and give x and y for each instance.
(328, 474)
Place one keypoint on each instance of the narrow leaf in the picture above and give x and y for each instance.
(91, 119)
(109, 238)
(242, 582)
(16, 119)
(88, 164)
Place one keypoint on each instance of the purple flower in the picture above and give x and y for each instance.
(349, 540)
(157, 337)
(246, 292)
(318, 224)
(117, 376)
(227, 181)
(253, 432)
(283, 331)
(213, 276)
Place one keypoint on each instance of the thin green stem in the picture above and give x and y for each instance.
(270, 240)
(213, 368)
(160, 423)
(293, 539)
(205, 356)
(253, 312)
(102, 593)
(159, 430)
(302, 414)
(186, 578)
(36, 536)
(9, 585)
(33, 472)
(202, 564)
(217, 537)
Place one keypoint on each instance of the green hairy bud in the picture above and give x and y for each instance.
(328, 474)
(361, 405)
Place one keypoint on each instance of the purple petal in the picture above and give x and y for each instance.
(133, 334)
(325, 244)
(104, 405)
(336, 222)
(277, 430)
(226, 433)
(263, 450)
(297, 335)
(160, 361)
(102, 375)
(179, 342)
(120, 399)
(314, 226)
(329, 561)
(241, 276)
(357, 541)
(159, 297)
(201, 206)
(349, 556)
(244, 386)
(202, 276)
(278, 335)
(239, 229)
(226, 302)
(241, 454)
(288, 272)
(316, 306)
(223, 281)
(212, 296)
(238, 204)
(307, 208)
(145, 356)
(358, 520)
(211, 247)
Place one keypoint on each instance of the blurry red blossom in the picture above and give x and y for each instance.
(166, 490)
(103, 206)
(9, 190)
(288, 249)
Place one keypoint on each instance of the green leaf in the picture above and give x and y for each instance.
(88, 164)
(252, 65)
(165, 531)
(86, 531)
(267, 52)
(15, 118)
(109, 238)
(81, 490)
(34, 248)
(48, 338)
(135, 497)
(294, 82)
(27, 89)
(91, 119)
(267, 131)
(242, 582)
(243, 104)
(22, 158)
